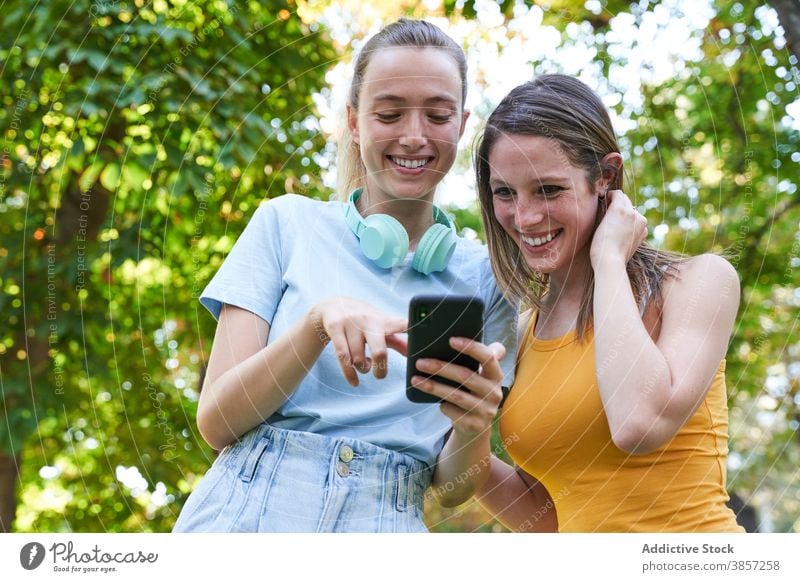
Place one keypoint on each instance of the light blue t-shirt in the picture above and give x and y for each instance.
(296, 252)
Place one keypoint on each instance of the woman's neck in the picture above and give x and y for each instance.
(569, 283)
(562, 302)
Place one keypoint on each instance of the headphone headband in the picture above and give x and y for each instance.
(384, 240)
(356, 223)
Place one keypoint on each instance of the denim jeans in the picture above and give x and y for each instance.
(277, 480)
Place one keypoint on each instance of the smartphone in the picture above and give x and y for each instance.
(433, 320)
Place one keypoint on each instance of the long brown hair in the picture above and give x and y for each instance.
(405, 32)
(567, 111)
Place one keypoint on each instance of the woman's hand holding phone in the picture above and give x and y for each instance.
(448, 364)
(473, 405)
(473, 394)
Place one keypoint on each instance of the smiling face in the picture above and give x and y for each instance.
(408, 122)
(543, 201)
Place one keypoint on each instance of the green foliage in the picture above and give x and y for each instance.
(715, 161)
(138, 138)
(712, 162)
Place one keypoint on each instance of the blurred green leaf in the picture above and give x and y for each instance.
(109, 177)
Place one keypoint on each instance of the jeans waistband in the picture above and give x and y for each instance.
(349, 462)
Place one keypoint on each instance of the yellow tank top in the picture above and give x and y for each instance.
(559, 434)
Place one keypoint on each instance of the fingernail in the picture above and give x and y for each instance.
(423, 365)
(457, 342)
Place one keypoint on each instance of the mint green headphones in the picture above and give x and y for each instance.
(384, 240)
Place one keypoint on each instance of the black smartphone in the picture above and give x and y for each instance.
(433, 320)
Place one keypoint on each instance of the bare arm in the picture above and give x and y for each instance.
(512, 496)
(651, 388)
(462, 463)
(247, 380)
(250, 377)
(517, 500)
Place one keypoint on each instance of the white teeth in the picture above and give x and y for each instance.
(538, 241)
(411, 164)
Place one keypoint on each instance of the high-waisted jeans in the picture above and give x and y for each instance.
(277, 480)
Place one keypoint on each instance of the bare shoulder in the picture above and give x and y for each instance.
(707, 268)
(709, 265)
(708, 278)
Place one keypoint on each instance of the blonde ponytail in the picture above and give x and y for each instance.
(350, 168)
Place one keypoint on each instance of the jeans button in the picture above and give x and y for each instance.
(346, 453)
(342, 469)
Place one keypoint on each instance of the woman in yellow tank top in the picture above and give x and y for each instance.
(617, 420)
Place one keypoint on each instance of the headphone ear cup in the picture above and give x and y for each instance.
(384, 240)
(434, 250)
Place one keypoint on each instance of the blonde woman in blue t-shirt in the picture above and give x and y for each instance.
(305, 388)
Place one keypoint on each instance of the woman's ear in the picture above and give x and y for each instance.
(352, 123)
(610, 169)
